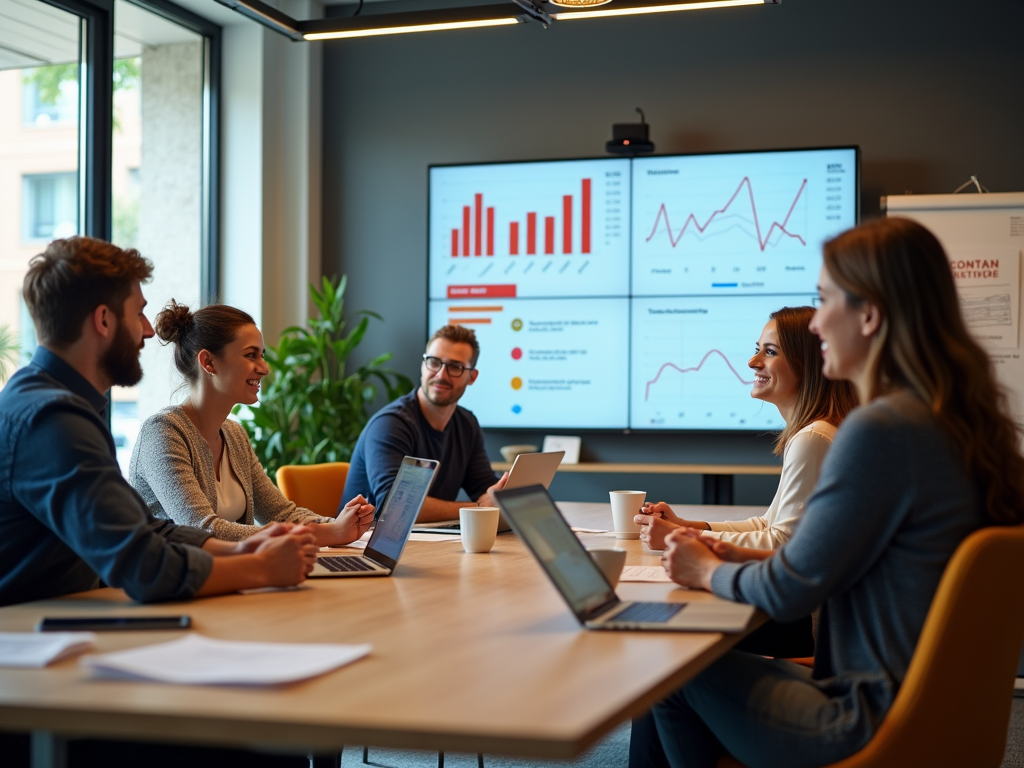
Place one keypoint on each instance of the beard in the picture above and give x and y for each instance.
(441, 399)
(121, 361)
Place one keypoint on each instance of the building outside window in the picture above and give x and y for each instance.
(159, 169)
(49, 206)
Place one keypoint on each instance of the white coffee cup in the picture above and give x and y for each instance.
(610, 561)
(625, 506)
(478, 527)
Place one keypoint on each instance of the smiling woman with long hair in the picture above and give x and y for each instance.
(787, 374)
(930, 457)
(194, 466)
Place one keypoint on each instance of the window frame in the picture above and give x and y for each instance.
(96, 128)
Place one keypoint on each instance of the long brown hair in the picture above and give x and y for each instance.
(819, 399)
(923, 346)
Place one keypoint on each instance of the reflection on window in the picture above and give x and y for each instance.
(50, 94)
(49, 205)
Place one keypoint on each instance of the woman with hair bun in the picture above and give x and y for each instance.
(929, 457)
(194, 466)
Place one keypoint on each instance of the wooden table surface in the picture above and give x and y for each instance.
(471, 653)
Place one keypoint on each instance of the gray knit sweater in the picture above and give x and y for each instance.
(172, 469)
(892, 504)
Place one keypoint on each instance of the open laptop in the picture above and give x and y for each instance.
(391, 531)
(537, 521)
(527, 469)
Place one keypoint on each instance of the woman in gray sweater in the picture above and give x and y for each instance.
(194, 466)
(930, 457)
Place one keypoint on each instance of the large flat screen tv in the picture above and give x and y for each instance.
(628, 293)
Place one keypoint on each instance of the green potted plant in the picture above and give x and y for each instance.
(8, 352)
(310, 410)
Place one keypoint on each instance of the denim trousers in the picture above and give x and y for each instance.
(767, 713)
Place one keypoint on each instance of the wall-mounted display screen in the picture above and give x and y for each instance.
(618, 293)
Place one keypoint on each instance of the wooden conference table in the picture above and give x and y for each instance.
(471, 653)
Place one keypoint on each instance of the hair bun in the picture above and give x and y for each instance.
(174, 321)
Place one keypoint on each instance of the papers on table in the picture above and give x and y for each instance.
(578, 529)
(644, 573)
(434, 537)
(32, 649)
(198, 660)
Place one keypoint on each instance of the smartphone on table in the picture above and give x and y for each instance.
(111, 623)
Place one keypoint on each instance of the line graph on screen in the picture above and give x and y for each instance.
(694, 369)
(723, 219)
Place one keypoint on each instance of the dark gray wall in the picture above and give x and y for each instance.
(931, 91)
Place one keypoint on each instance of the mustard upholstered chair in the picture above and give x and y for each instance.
(317, 487)
(954, 705)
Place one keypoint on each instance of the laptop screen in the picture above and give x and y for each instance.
(534, 516)
(400, 509)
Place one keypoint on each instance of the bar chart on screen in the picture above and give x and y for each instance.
(689, 362)
(747, 223)
(530, 230)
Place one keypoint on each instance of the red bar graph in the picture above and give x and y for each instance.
(490, 231)
(585, 223)
(567, 224)
(477, 232)
(478, 202)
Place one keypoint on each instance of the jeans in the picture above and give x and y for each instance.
(766, 713)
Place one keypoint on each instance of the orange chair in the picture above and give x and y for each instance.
(317, 487)
(954, 705)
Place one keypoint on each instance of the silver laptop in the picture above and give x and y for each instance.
(527, 469)
(537, 521)
(391, 531)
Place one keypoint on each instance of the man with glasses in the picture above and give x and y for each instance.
(429, 423)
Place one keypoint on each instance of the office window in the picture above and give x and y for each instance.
(39, 147)
(49, 205)
(157, 185)
(114, 142)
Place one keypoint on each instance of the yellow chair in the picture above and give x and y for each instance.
(954, 705)
(317, 487)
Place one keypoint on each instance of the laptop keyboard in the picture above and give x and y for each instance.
(649, 613)
(337, 564)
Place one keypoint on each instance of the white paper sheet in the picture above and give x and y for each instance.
(198, 660)
(434, 537)
(578, 529)
(644, 573)
(37, 649)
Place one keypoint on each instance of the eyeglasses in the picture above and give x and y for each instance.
(455, 370)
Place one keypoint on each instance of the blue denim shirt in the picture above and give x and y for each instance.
(68, 519)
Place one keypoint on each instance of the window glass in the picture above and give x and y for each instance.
(39, 166)
(49, 205)
(157, 188)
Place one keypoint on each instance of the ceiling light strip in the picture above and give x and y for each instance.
(410, 28)
(653, 9)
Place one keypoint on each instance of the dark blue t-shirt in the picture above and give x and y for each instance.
(400, 429)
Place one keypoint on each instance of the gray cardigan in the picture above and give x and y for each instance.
(892, 503)
(172, 469)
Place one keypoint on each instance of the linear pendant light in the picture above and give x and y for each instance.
(470, 17)
(647, 7)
